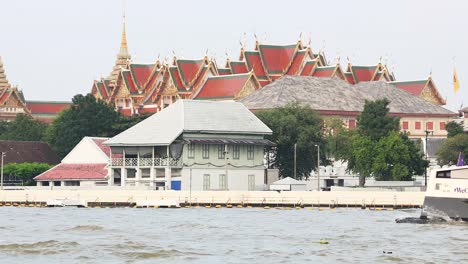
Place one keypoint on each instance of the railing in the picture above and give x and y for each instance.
(146, 162)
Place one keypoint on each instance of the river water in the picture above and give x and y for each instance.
(247, 235)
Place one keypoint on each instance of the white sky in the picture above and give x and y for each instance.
(54, 49)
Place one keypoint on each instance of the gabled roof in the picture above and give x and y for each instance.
(329, 71)
(254, 62)
(238, 67)
(191, 116)
(225, 87)
(127, 78)
(47, 107)
(141, 73)
(298, 61)
(288, 181)
(74, 172)
(423, 88)
(224, 71)
(189, 70)
(28, 151)
(309, 67)
(175, 76)
(364, 73)
(277, 59)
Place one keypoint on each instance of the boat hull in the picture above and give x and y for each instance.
(456, 208)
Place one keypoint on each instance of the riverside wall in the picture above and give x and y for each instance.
(393, 199)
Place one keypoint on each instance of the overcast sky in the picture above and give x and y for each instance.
(55, 49)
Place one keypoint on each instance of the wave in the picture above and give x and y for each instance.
(86, 228)
(49, 247)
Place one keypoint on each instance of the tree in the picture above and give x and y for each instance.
(294, 124)
(86, 117)
(377, 148)
(374, 121)
(25, 171)
(124, 122)
(449, 151)
(453, 129)
(23, 128)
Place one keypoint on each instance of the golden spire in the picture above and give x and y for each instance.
(123, 43)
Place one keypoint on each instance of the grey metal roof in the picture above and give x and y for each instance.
(334, 94)
(220, 117)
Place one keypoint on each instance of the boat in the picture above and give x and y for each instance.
(447, 194)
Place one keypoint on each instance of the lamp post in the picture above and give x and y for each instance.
(427, 159)
(1, 173)
(318, 167)
(295, 161)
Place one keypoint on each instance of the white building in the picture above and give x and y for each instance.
(84, 166)
(192, 145)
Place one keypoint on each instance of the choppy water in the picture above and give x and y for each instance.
(128, 235)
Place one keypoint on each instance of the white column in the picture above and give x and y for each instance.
(123, 176)
(152, 176)
(110, 172)
(137, 176)
(167, 173)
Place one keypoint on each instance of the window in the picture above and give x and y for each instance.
(131, 173)
(405, 125)
(430, 126)
(443, 174)
(223, 182)
(235, 151)
(191, 151)
(206, 182)
(145, 173)
(205, 151)
(351, 124)
(250, 152)
(442, 125)
(251, 183)
(221, 154)
(417, 125)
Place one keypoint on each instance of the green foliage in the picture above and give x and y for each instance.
(449, 151)
(453, 129)
(124, 122)
(374, 121)
(25, 171)
(294, 124)
(23, 128)
(377, 148)
(86, 117)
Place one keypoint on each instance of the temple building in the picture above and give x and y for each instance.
(148, 88)
(336, 98)
(12, 102)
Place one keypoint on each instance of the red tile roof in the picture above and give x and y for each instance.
(226, 86)
(297, 62)
(100, 143)
(189, 70)
(254, 62)
(141, 73)
(308, 68)
(37, 107)
(277, 59)
(238, 67)
(127, 77)
(176, 77)
(324, 71)
(66, 171)
(364, 73)
(412, 87)
(148, 110)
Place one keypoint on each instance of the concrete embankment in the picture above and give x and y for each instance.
(223, 198)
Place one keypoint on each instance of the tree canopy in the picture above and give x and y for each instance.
(25, 171)
(86, 117)
(23, 128)
(294, 124)
(453, 129)
(377, 148)
(449, 151)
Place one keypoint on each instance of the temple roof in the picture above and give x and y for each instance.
(336, 95)
(3, 78)
(419, 87)
(277, 59)
(47, 107)
(227, 86)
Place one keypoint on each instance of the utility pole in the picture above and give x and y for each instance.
(318, 166)
(1, 180)
(295, 161)
(427, 159)
(226, 166)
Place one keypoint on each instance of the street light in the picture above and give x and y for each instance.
(427, 159)
(1, 177)
(318, 167)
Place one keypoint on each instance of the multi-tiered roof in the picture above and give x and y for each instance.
(137, 88)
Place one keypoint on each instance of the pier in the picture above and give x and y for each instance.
(217, 199)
